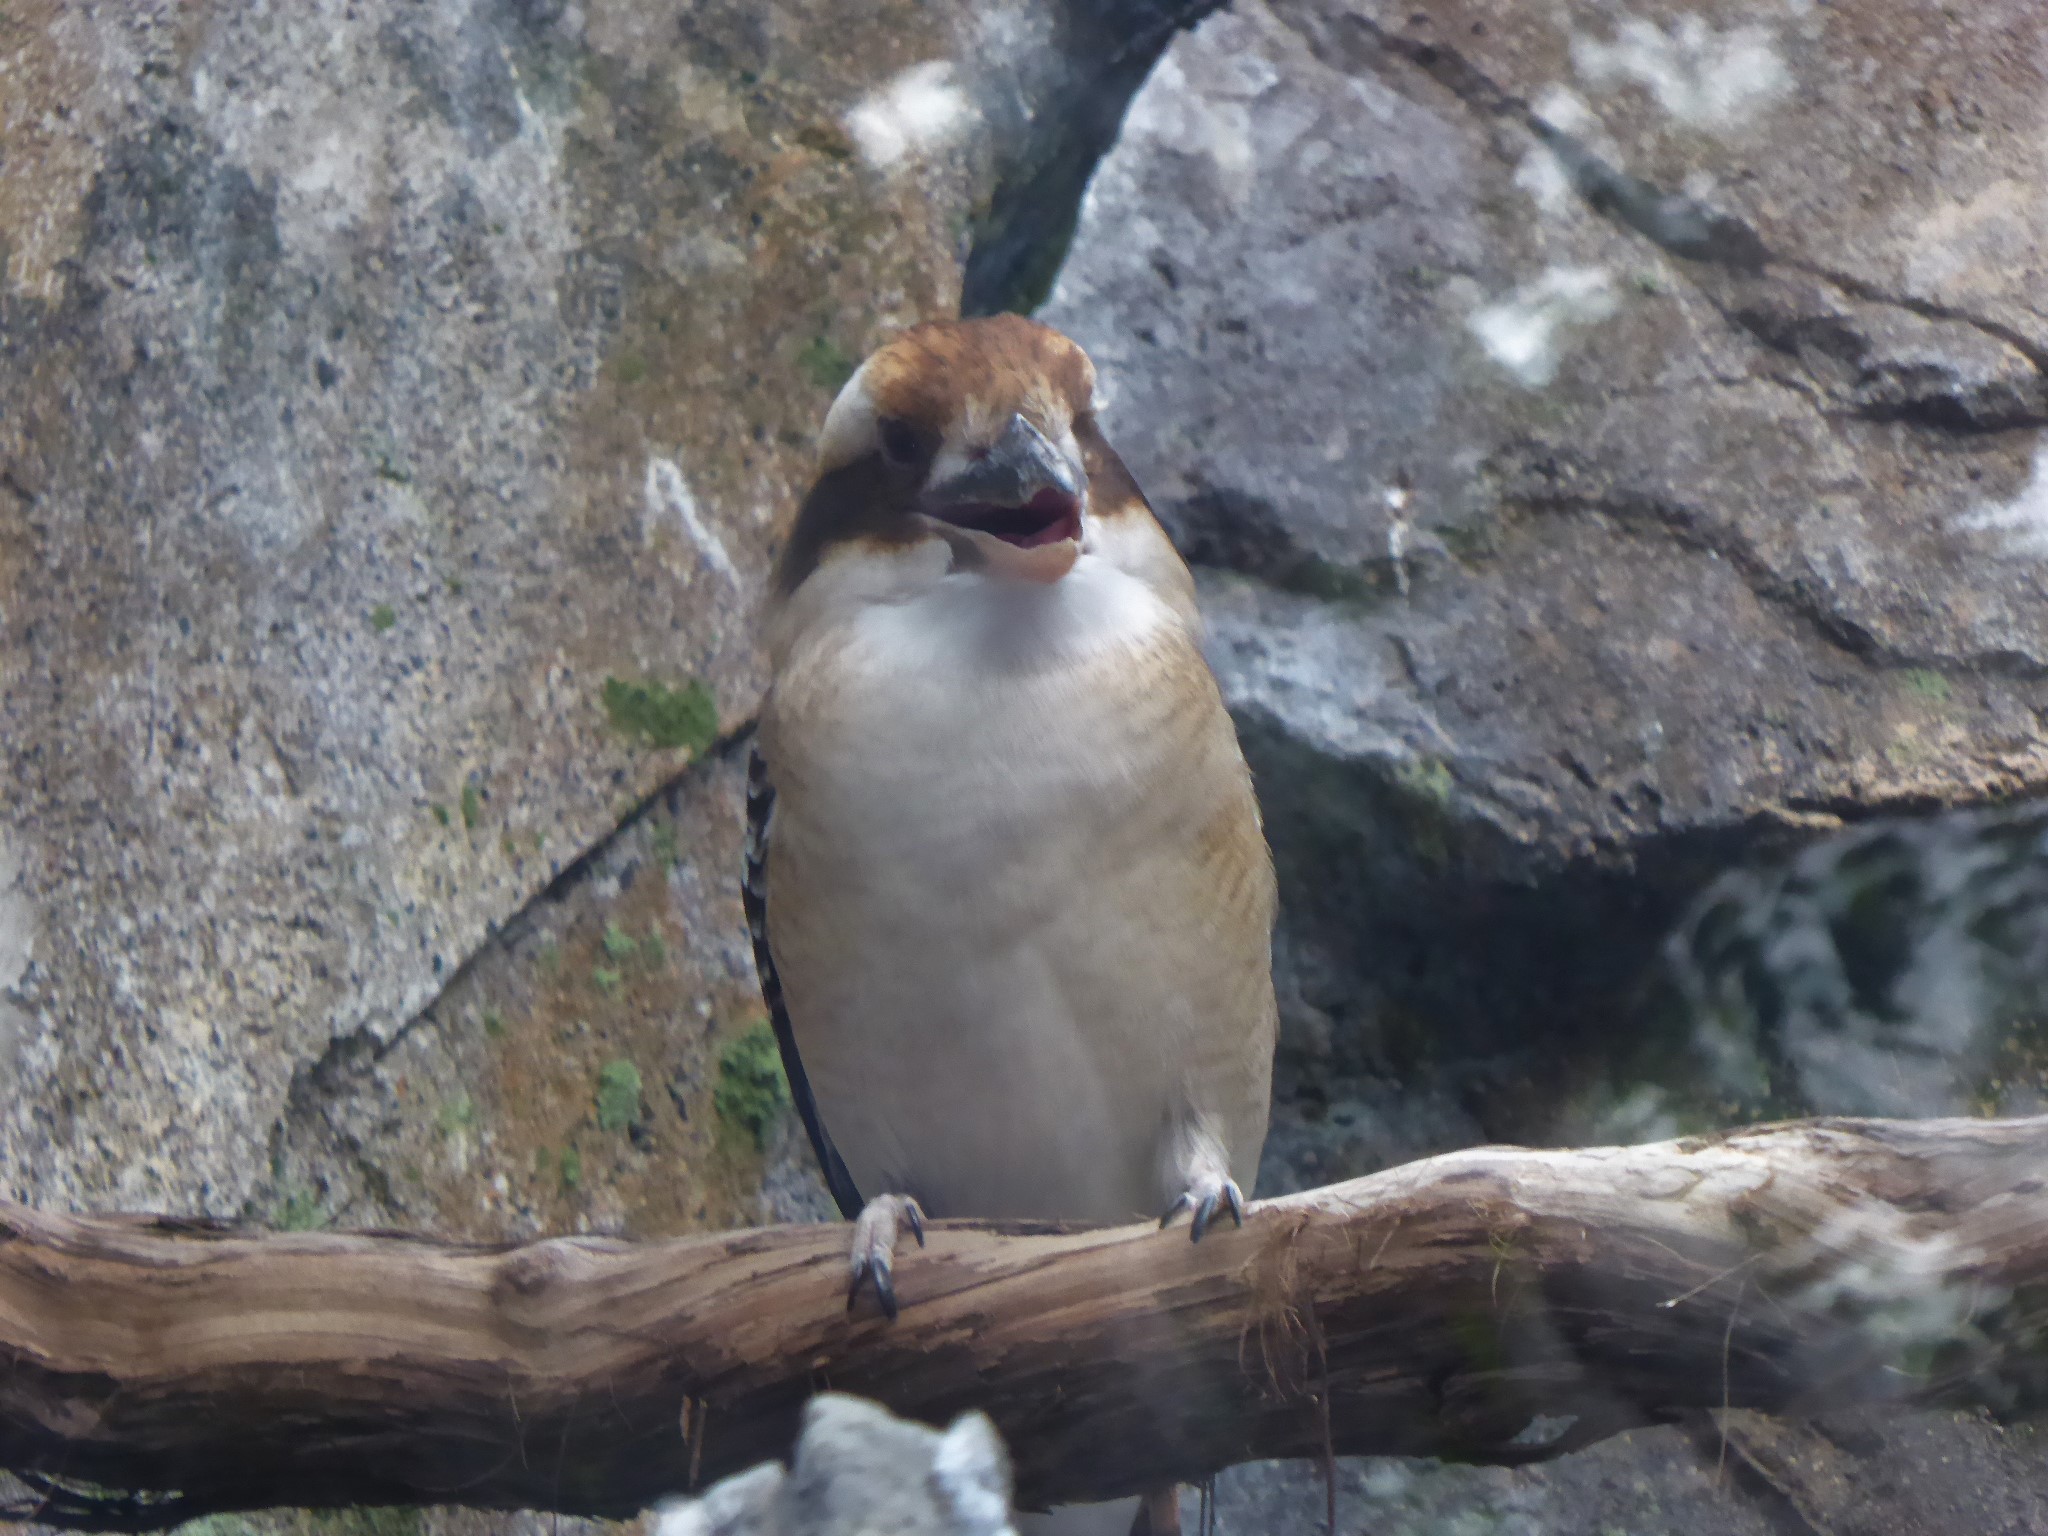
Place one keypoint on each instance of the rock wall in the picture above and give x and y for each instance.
(395, 407)
(1609, 442)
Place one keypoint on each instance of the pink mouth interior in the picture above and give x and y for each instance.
(1046, 518)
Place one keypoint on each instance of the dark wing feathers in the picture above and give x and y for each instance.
(754, 896)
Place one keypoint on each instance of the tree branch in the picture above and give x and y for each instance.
(1497, 1305)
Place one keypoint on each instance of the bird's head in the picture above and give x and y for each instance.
(965, 445)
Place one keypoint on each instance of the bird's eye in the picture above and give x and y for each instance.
(901, 443)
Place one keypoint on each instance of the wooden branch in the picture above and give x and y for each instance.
(1497, 1305)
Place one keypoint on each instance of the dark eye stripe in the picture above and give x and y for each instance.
(901, 442)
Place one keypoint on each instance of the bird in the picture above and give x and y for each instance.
(1010, 894)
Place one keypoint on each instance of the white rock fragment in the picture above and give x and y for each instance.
(1543, 176)
(665, 490)
(1566, 111)
(17, 949)
(921, 110)
(859, 1468)
(1525, 332)
(2023, 521)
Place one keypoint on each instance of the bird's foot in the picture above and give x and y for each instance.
(1206, 1186)
(874, 1248)
(1205, 1200)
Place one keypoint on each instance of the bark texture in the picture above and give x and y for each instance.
(1500, 1304)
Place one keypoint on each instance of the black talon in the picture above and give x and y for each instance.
(1230, 1193)
(916, 1221)
(1203, 1213)
(860, 1278)
(1181, 1202)
(885, 1291)
(879, 1272)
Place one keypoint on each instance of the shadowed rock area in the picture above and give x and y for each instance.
(1609, 442)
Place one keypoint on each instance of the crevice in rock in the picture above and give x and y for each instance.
(1927, 309)
(1428, 947)
(1942, 411)
(1853, 376)
(1686, 228)
(1019, 243)
(1675, 223)
(1685, 527)
(321, 1080)
(1224, 528)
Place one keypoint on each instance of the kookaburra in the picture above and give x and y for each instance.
(1010, 899)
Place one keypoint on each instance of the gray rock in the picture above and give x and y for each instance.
(858, 1470)
(1609, 472)
(1609, 447)
(1897, 968)
(386, 391)
(1843, 1475)
(1585, 494)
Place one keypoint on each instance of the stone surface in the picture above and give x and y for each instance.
(1839, 1476)
(1587, 494)
(567, 1079)
(1610, 444)
(1609, 441)
(377, 383)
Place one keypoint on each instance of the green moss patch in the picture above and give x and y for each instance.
(299, 1211)
(662, 716)
(1929, 685)
(824, 364)
(752, 1092)
(618, 1095)
(667, 849)
(457, 1115)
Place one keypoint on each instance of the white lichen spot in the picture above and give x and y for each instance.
(2023, 521)
(1397, 535)
(1545, 179)
(666, 491)
(706, 102)
(1545, 1429)
(1526, 331)
(1565, 110)
(1207, 113)
(1542, 174)
(919, 111)
(1960, 250)
(699, 253)
(17, 949)
(1704, 78)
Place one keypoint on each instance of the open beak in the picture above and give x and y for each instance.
(1015, 510)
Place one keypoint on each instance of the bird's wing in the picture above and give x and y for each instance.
(754, 895)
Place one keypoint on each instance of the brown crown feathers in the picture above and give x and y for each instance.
(944, 381)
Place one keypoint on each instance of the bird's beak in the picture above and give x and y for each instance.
(1014, 509)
